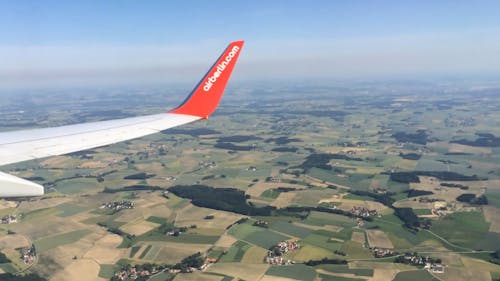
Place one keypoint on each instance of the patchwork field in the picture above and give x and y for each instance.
(276, 170)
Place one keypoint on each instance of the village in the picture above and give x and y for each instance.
(275, 255)
(8, 219)
(431, 264)
(118, 205)
(362, 212)
(28, 255)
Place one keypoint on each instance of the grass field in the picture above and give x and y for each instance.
(190, 238)
(320, 218)
(326, 277)
(400, 237)
(290, 229)
(240, 270)
(341, 268)
(236, 252)
(134, 251)
(265, 238)
(378, 239)
(415, 275)
(107, 270)
(50, 242)
(242, 230)
(355, 250)
(145, 251)
(323, 240)
(310, 252)
(469, 229)
(68, 209)
(254, 255)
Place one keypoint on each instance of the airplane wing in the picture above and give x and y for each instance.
(17, 146)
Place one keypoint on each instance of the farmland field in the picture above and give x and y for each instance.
(60, 239)
(339, 170)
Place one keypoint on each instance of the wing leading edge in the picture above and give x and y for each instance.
(24, 145)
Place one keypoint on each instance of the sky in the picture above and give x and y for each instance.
(45, 43)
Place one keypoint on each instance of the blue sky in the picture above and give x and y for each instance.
(113, 41)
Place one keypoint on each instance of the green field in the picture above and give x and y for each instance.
(265, 239)
(78, 185)
(400, 237)
(342, 268)
(320, 218)
(242, 230)
(323, 240)
(414, 275)
(469, 229)
(325, 277)
(236, 252)
(107, 270)
(271, 193)
(297, 271)
(8, 267)
(134, 251)
(51, 242)
(158, 220)
(68, 209)
(183, 238)
(354, 137)
(422, 212)
(145, 251)
(290, 229)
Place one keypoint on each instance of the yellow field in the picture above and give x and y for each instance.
(225, 241)
(92, 165)
(383, 274)
(275, 278)
(380, 265)
(455, 147)
(240, 270)
(378, 238)
(462, 274)
(79, 270)
(284, 199)
(198, 276)
(491, 215)
(63, 255)
(139, 227)
(196, 215)
(414, 204)
(4, 204)
(52, 225)
(13, 241)
(480, 265)
(257, 189)
(310, 252)
(347, 275)
(63, 162)
(333, 228)
(446, 194)
(358, 237)
(105, 251)
(255, 254)
(172, 253)
(347, 205)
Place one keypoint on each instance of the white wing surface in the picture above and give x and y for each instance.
(17, 146)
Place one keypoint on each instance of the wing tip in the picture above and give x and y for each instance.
(204, 99)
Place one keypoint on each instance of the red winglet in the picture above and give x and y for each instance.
(205, 97)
